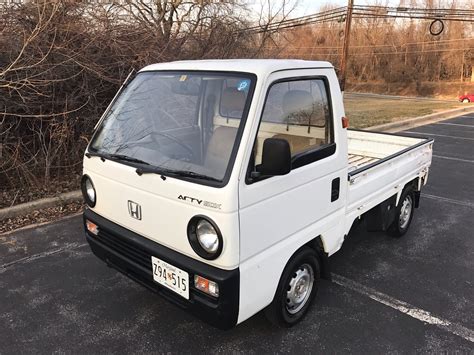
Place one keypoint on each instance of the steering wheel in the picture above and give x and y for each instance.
(186, 147)
(167, 114)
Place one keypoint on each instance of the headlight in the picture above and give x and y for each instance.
(204, 237)
(207, 236)
(88, 191)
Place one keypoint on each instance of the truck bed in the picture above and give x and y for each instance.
(367, 149)
(380, 164)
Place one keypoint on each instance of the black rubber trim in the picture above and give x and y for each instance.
(313, 155)
(89, 202)
(383, 160)
(193, 239)
(131, 255)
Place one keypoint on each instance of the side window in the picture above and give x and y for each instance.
(297, 111)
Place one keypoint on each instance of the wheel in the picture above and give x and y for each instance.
(465, 101)
(296, 290)
(403, 214)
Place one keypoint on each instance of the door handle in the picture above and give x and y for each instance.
(335, 186)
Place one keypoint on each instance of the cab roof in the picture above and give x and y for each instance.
(260, 67)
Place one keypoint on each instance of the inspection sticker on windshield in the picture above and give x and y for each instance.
(183, 78)
(243, 85)
(171, 277)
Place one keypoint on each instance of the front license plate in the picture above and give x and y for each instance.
(171, 277)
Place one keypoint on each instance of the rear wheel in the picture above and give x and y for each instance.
(296, 290)
(403, 214)
(466, 101)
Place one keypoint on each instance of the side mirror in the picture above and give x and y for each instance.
(276, 157)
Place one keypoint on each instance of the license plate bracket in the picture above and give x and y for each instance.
(171, 277)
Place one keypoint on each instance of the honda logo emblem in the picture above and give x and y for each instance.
(135, 210)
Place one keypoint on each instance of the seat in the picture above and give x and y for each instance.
(219, 150)
(232, 103)
(222, 140)
(298, 108)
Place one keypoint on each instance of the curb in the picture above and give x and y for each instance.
(73, 196)
(422, 120)
(23, 208)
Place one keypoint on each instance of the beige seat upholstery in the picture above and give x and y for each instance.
(219, 150)
(223, 138)
(298, 107)
(232, 103)
(297, 143)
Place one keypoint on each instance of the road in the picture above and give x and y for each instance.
(397, 97)
(413, 294)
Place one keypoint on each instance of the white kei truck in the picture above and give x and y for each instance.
(225, 185)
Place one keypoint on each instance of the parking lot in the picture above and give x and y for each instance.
(413, 294)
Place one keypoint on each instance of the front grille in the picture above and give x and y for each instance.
(140, 256)
(125, 248)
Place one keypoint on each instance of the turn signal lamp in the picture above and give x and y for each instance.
(92, 227)
(207, 286)
(345, 122)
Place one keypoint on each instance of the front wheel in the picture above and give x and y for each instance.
(296, 290)
(466, 101)
(403, 214)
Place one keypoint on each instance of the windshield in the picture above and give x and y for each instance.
(182, 122)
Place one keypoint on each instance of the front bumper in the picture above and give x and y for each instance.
(130, 253)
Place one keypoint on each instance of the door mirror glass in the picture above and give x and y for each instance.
(276, 157)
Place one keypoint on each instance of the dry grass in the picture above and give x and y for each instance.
(370, 111)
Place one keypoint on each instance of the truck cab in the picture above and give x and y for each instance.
(225, 185)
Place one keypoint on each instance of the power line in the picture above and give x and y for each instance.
(413, 52)
(369, 12)
(441, 42)
(297, 49)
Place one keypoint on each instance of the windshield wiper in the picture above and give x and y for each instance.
(192, 174)
(153, 170)
(149, 169)
(126, 158)
(117, 157)
(170, 172)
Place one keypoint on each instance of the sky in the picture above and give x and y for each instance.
(308, 7)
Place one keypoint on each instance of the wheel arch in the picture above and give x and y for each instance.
(415, 185)
(317, 245)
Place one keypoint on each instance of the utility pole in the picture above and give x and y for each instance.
(345, 48)
(472, 69)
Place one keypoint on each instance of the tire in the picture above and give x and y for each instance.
(403, 214)
(465, 101)
(291, 301)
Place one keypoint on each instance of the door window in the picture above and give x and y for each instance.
(297, 111)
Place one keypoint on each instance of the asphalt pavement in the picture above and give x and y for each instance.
(413, 294)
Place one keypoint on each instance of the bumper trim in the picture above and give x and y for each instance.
(130, 254)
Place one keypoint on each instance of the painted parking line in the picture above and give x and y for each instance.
(454, 124)
(439, 135)
(452, 158)
(450, 200)
(406, 308)
(27, 259)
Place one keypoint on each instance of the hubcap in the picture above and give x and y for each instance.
(405, 212)
(299, 289)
